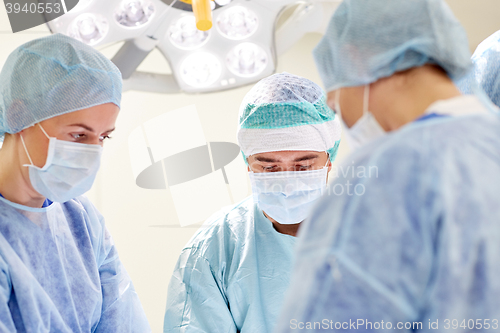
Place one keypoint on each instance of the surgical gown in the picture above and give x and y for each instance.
(418, 243)
(60, 272)
(232, 276)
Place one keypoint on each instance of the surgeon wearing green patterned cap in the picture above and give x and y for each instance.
(231, 277)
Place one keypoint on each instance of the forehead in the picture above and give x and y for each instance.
(287, 156)
(97, 116)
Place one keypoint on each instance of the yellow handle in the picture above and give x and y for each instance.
(203, 14)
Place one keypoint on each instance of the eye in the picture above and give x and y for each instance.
(104, 137)
(269, 168)
(302, 167)
(77, 136)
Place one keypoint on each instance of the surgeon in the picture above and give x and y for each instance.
(417, 246)
(59, 269)
(486, 71)
(232, 275)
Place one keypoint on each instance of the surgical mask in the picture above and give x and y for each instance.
(289, 196)
(366, 129)
(69, 171)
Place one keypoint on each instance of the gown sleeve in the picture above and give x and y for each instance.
(6, 321)
(121, 311)
(196, 300)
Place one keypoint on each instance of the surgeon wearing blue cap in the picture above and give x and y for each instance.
(59, 269)
(416, 246)
(232, 275)
(486, 71)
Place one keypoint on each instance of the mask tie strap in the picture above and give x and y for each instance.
(26, 149)
(366, 99)
(327, 160)
(48, 137)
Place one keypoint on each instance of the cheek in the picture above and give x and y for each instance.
(37, 148)
(40, 157)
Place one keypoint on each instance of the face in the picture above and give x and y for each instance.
(350, 101)
(89, 126)
(278, 161)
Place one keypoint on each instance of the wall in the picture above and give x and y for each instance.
(133, 214)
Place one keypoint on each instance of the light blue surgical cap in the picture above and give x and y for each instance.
(367, 40)
(286, 112)
(51, 76)
(486, 71)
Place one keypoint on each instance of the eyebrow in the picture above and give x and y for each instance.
(307, 157)
(91, 129)
(300, 159)
(266, 159)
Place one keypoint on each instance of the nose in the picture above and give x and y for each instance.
(288, 167)
(95, 140)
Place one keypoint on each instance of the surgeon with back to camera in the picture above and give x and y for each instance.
(486, 71)
(419, 250)
(232, 275)
(59, 269)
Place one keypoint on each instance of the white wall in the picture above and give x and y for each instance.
(150, 253)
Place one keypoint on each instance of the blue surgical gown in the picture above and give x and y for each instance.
(60, 272)
(231, 276)
(419, 242)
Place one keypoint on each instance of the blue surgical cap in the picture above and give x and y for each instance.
(285, 112)
(367, 40)
(486, 72)
(51, 76)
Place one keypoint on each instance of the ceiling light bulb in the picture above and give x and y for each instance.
(201, 69)
(237, 22)
(134, 13)
(89, 28)
(246, 59)
(185, 35)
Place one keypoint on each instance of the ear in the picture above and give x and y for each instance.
(329, 166)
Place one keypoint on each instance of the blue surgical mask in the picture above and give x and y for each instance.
(289, 196)
(366, 129)
(69, 171)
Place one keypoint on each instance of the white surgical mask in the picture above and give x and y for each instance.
(288, 196)
(69, 171)
(366, 129)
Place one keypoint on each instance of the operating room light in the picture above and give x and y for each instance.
(185, 35)
(201, 69)
(246, 59)
(222, 2)
(134, 13)
(243, 43)
(89, 28)
(237, 23)
(81, 5)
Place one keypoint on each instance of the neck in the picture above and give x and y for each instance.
(14, 177)
(411, 94)
(287, 229)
